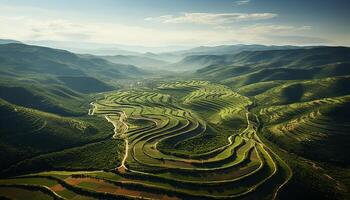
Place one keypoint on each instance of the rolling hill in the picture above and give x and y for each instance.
(179, 56)
(56, 80)
(251, 67)
(26, 59)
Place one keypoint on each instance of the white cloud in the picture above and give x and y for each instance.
(242, 2)
(211, 18)
(33, 24)
(85, 31)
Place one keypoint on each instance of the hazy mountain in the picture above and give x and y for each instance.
(26, 59)
(140, 61)
(7, 41)
(232, 49)
(103, 49)
(203, 56)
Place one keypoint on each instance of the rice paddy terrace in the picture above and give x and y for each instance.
(183, 140)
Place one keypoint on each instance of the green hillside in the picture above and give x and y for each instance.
(35, 59)
(271, 74)
(301, 91)
(79, 83)
(48, 99)
(28, 132)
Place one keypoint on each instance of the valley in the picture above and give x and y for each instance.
(264, 124)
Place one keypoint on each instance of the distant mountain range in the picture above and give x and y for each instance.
(44, 77)
(250, 67)
(191, 59)
(140, 61)
(6, 41)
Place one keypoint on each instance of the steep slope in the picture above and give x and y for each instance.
(49, 99)
(28, 132)
(258, 88)
(85, 84)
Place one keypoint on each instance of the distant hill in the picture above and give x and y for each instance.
(186, 59)
(7, 41)
(270, 74)
(232, 49)
(84, 47)
(54, 80)
(252, 67)
(27, 59)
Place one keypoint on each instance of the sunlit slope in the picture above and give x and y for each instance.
(317, 129)
(300, 91)
(258, 88)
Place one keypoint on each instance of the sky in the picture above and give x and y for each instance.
(178, 22)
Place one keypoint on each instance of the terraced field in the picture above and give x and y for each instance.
(199, 144)
(321, 122)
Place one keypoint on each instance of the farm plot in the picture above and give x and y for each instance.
(203, 146)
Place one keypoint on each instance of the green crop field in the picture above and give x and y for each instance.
(202, 145)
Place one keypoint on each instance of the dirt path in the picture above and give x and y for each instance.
(117, 134)
(259, 140)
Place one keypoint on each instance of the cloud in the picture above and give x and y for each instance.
(211, 18)
(242, 2)
(33, 24)
(22, 28)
